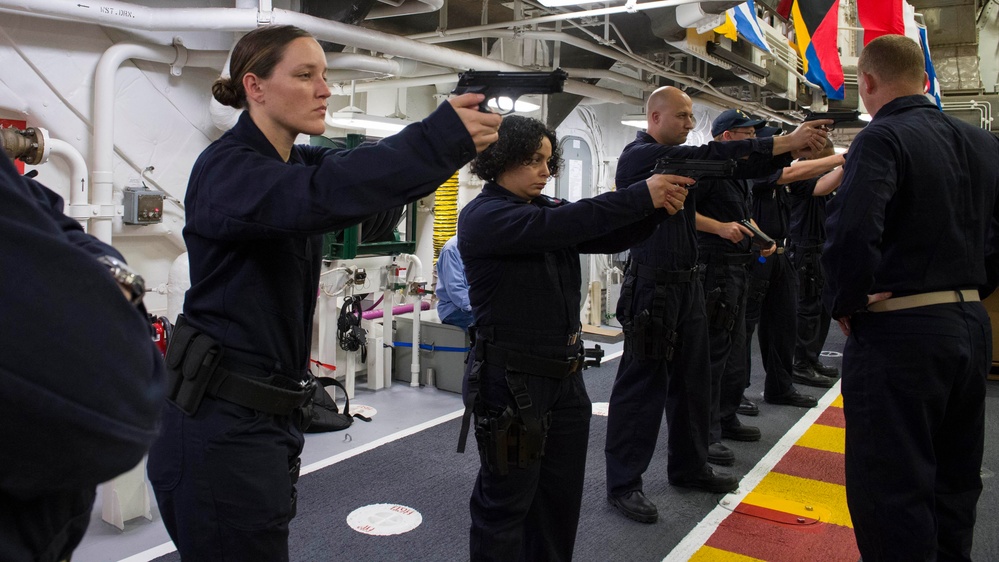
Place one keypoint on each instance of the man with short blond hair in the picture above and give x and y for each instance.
(911, 247)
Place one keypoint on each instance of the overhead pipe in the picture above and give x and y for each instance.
(130, 16)
(629, 7)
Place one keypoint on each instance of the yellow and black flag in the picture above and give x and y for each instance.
(816, 27)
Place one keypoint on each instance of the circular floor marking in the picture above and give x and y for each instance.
(366, 411)
(830, 354)
(600, 408)
(384, 519)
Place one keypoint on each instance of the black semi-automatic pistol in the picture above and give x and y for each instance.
(759, 237)
(838, 117)
(696, 169)
(496, 84)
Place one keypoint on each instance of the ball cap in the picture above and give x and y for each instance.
(732, 119)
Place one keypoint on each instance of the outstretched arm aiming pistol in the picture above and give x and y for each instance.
(495, 84)
(697, 169)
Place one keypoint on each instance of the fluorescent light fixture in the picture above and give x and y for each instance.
(504, 104)
(556, 3)
(865, 117)
(353, 118)
(635, 120)
(840, 149)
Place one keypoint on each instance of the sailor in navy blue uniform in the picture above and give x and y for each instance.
(725, 250)
(257, 205)
(666, 362)
(912, 245)
(523, 379)
(806, 234)
(82, 380)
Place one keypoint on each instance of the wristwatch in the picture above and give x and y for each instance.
(133, 285)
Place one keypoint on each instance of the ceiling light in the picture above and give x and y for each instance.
(504, 104)
(555, 3)
(635, 120)
(865, 117)
(353, 118)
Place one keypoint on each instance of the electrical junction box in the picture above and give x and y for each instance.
(143, 206)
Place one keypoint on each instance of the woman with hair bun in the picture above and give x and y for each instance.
(225, 466)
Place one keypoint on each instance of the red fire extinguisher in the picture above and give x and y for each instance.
(161, 332)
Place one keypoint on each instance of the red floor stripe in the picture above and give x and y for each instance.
(832, 417)
(763, 539)
(813, 464)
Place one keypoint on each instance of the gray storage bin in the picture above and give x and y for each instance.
(448, 366)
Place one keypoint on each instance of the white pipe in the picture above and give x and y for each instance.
(415, 265)
(79, 189)
(131, 17)
(388, 333)
(104, 98)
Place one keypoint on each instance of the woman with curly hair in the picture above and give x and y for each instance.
(522, 383)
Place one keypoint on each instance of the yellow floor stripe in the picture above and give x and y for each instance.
(710, 554)
(837, 402)
(824, 438)
(831, 497)
(810, 510)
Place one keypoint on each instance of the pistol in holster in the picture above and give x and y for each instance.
(722, 313)
(650, 337)
(191, 360)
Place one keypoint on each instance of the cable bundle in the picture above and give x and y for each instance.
(349, 333)
(445, 213)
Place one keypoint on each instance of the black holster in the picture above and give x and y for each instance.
(191, 359)
(721, 313)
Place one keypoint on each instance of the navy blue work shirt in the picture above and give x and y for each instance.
(255, 225)
(771, 206)
(522, 257)
(916, 211)
(808, 213)
(82, 382)
(673, 246)
(725, 200)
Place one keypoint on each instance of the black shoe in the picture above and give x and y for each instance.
(634, 505)
(747, 408)
(738, 432)
(709, 480)
(805, 375)
(793, 398)
(720, 454)
(825, 370)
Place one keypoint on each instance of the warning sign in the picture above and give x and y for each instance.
(384, 519)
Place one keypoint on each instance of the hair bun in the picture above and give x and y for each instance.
(225, 93)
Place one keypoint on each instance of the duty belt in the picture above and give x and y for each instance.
(495, 333)
(924, 299)
(662, 275)
(261, 394)
(729, 259)
(530, 364)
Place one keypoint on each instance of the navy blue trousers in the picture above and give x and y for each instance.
(914, 400)
(813, 319)
(729, 376)
(222, 482)
(775, 313)
(531, 513)
(646, 388)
